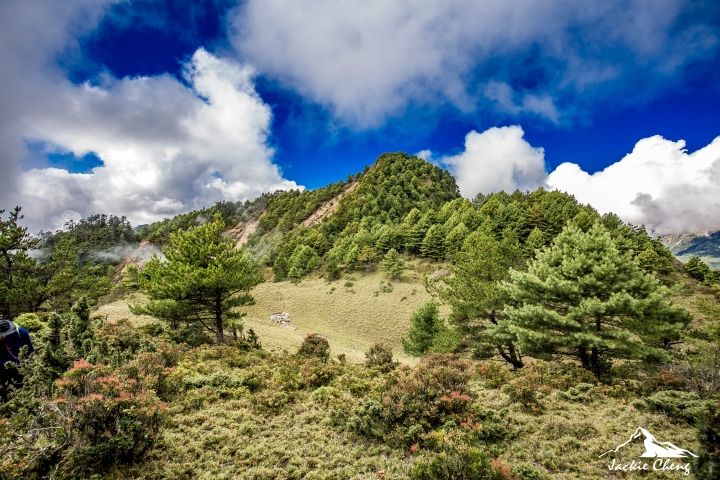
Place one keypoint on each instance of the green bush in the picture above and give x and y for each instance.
(457, 454)
(101, 418)
(582, 392)
(431, 394)
(30, 322)
(315, 345)
(707, 466)
(685, 405)
(380, 357)
(528, 472)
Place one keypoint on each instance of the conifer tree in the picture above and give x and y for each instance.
(456, 237)
(303, 261)
(534, 241)
(475, 294)
(203, 280)
(696, 268)
(425, 325)
(54, 359)
(366, 256)
(433, 245)
(584, 299)
(81, 333)
(417, 231)
(17, 286)
(393, 264)
(386, 238)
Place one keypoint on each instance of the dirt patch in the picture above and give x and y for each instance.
(242, 231)
(327, 208)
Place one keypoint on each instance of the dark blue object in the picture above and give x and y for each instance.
(10, 346)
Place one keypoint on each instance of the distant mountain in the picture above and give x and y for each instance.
(688, 244)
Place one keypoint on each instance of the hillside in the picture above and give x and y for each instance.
(373, 377)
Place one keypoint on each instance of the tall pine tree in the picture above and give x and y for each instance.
(433, 245)
(584, 299)
(475, 294)
(203, 280)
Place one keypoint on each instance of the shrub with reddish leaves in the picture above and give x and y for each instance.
(414, 401)
(101, 417)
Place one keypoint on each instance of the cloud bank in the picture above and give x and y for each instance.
(659, 184)
(528, 57)
(166, 146)
(497, 159)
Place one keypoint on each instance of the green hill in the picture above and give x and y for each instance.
(114, 395)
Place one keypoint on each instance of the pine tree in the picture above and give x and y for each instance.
(54, 359)
(696, 268)
(386, 238)
(433, 245)
(474, 290)
(202, 281)
(393, 264)
(583, 298)
(81, 333)
(534, 241)
(417, 230)
(303, 261)
(366, 256)
(17, 285)
(456, 237)
(425, 325)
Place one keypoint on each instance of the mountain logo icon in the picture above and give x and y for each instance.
(653, 447)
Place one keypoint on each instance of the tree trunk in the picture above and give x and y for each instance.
(595, 362)
(511, 356)
(584, 360)
(218, 318)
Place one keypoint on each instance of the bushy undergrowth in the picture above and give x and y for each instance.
(142, 405)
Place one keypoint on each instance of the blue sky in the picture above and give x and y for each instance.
(120, 105)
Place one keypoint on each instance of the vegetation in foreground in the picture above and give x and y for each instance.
(565, 331)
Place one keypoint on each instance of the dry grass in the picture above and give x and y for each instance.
(567, 439)
(229, 440)
(352, 318)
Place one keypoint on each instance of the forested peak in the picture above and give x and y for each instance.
(396, 184)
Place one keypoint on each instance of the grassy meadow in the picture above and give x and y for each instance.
(352, 313)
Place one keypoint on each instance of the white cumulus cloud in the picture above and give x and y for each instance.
(659, 184)
(372, 59)
(497, 159)
(166, 146)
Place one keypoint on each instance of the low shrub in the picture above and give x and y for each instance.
(529, 387)
(380, 357)
(315, 345)
(494, 374)
(707, 464)
(582, 393)
(456, 453)
(100, 418)
(30, 322)
(684, 405)
(272, 401)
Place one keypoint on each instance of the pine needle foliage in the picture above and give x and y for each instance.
(203, 280)
(585, 299)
